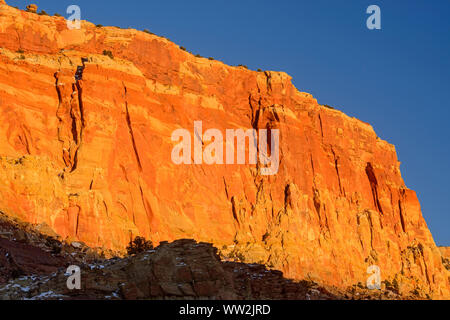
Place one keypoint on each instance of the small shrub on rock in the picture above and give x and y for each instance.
(138, 245)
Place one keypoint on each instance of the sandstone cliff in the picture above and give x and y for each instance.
(85, 146)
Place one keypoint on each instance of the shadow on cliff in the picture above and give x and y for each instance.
(34, 265)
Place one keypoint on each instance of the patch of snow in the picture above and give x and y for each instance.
(48, 294)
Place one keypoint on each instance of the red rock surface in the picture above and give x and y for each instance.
(445, 251)
(85, 146)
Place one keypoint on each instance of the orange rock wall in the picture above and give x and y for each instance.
(85, 146)
(445, 251)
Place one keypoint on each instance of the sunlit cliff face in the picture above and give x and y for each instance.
(86, 147)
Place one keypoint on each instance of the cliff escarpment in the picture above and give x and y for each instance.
(85, 147)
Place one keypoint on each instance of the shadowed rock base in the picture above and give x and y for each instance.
(34, 267)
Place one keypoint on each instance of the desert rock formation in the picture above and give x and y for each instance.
(85, 147)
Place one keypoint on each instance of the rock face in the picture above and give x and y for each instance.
(85, 147)
(34, 251)
(445, 251)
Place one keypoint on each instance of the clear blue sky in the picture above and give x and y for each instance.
(397, 79)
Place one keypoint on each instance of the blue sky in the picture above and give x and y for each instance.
(396, 78)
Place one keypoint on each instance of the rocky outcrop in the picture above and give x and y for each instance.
(34, 251)
(32, 8)
(445, 251)
(183, 269)
(85, 146)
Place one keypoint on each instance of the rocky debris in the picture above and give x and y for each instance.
(88, 154)
(184, 269)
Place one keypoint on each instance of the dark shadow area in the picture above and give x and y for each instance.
(33, 265)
